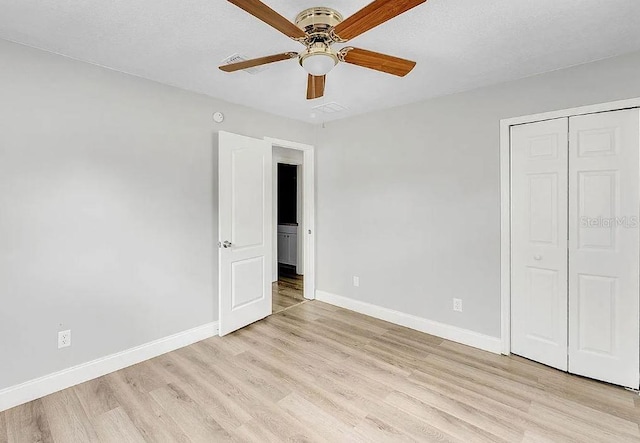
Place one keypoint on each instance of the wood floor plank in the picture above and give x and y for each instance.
(320, 307)
(316, 388)
(190, 417)
(499, 425)
(438, 353)
(312, 353)
(374, 326)
(67, 419)
(300, 314)
(147, 416)
(316, 372)
(268, 388)
(281, 302)
(528, 392)
(430, 376)
(28, 423)
(3, 429)
(372, 428)
(532, 437)
(289, 320)
(287, 291)
(96, 397)
(332, 373)
(448, 423)
(115, 426)
(585, 429)
(413, 426)
(270, 416)
(318, 419)
(201, 390)
(252, 431)
(291, 338)
(234, 344)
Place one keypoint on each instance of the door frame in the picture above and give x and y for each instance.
(309, 218)
(505, 197)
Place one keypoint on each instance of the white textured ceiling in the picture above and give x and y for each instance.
(458, 44)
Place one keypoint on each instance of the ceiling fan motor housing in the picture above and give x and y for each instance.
(318, 23)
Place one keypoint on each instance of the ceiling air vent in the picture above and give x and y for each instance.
(237, 58)
(330, 108)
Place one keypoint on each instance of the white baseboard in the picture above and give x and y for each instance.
(40, 387)
(453, 333)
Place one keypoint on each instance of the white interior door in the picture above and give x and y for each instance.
(603, 247)
(539, 209)
(245, 230)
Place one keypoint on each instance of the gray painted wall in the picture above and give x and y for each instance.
(108, 209)
(409, 198)
(108, 202)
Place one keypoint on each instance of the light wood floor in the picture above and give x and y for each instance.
(319, 373)
(287, 291)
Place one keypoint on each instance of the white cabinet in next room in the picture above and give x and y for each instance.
(288, 244)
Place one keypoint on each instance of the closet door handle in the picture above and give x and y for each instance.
(537, 257)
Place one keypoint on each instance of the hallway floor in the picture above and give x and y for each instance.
(287, 291)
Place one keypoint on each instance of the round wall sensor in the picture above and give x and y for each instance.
(218, 117)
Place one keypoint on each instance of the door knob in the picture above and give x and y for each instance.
(226, 244)
(537, 257)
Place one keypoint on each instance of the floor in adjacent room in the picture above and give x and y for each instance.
(315, 372)
(287, 291)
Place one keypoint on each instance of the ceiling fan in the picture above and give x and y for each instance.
(319, 28)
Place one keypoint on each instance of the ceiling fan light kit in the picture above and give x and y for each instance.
(318, 59)
(319, 28)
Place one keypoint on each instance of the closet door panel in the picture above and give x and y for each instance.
(539, 170)
(604, 205)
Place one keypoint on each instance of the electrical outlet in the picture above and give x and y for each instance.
(356, 281)
(457, 305)
(64, 339)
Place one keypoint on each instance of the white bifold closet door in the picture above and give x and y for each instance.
(604, 204)
(576, 244)
(539, 210)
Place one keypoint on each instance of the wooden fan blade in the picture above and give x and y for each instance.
(270, 17)
(315, 86)
(379, 62)
(258, 61)
(373, 15)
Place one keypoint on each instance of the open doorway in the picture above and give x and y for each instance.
(248, 230)
(288, 222)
